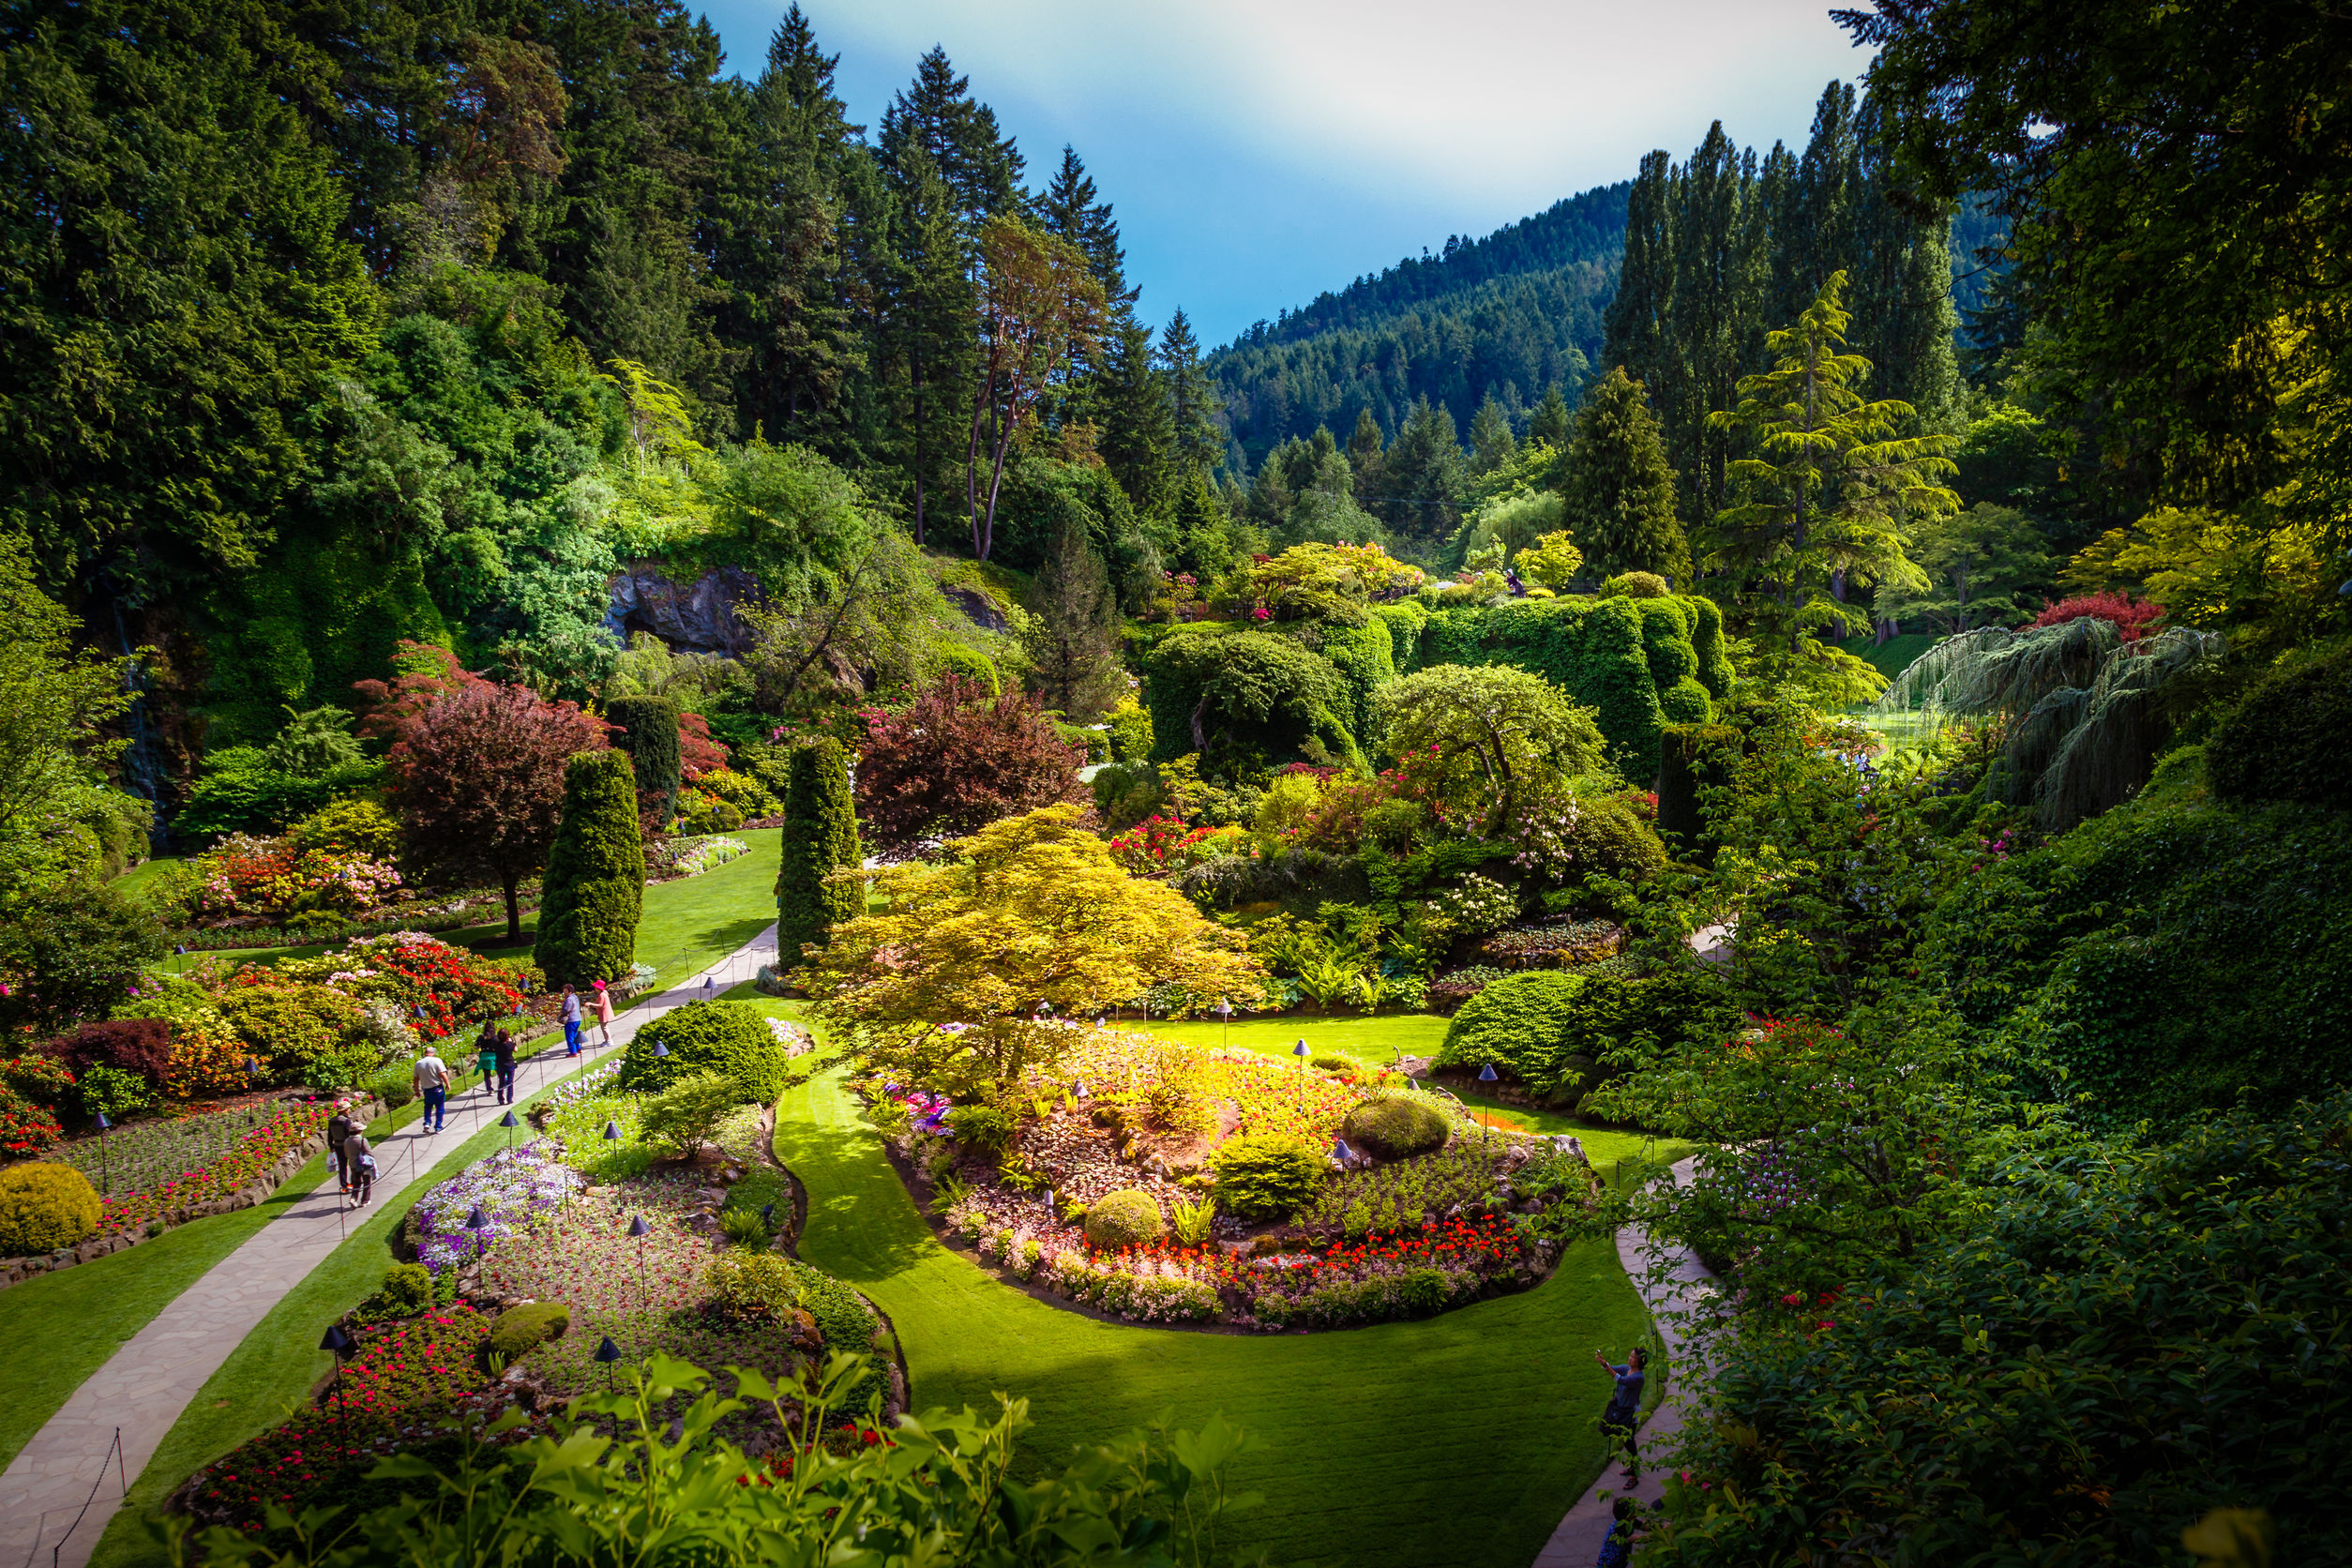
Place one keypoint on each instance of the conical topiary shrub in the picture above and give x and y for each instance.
(649, 733)
(820, 837)
(596, 875)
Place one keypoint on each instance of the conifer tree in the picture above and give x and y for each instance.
(1364, 447)
(820, 839)
(1069, 207)
(1831, 487)
(1492, 444)
(649, 733)
(1617, 489)
(1193, 400)
(1137, 435)
(927, 323)
(1073, 632)
(595, 889)
(1547, 426)
(1421, 476)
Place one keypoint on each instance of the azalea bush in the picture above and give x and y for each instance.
(280, 881)
(1166, 844)
(441, 988)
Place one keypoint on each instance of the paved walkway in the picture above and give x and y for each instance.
(144, 1387)
(1577, 1542)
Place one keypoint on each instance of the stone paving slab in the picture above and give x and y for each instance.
(146, 1385)
(1577, 1541)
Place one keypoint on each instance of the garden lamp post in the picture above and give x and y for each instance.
(106, 1181)
(509, 1123)
(338, 1344)
(1340, 1153)
(639, 1230)
(478, 1222)
(607, 1352)
(661, 1051)
(1225, 1019)
(1487, 1074)
(1299, 1051)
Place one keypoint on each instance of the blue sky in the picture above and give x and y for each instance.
(1257, 154)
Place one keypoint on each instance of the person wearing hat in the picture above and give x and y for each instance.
(362, 1185)
(604, 1013)
(339, 1126)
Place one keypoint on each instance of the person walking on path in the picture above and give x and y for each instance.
(338, 1127)
(431, 1080)
(1624, 1412)
(362, 1185)
(486, 1059)
(604, 1013)
(571, 1021)
(502, 1057)
(1618, 1550)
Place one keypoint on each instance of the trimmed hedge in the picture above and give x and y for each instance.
(44, 1206)
(1126, 1218)
(732, 1038)
(820, 837)
(520, 1329)
(595, 890)
(1253, 692)
(649, 734)
(2289, 738)
(1693, 757)
(1610, 837)
(1396, 1127)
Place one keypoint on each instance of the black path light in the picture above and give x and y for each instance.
(478, 1222)
(662, 1052)
(639, 1230)
(1487, 1074)
(612, 1131)
(106, 1182)
(509, 1123)
(1340, 1153)
(607, 1352)
(1299, 1051)
(338, 1344)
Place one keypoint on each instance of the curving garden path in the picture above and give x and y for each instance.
(61, 1489)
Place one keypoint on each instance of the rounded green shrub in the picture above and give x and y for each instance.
(519, 1329)
(1266, 1175)
(44, 1206)
(970, 663)
(407, 1290)
(649, 734)
(1636, 585)
(731, 1038)
(1609, 838)
(595, 891)
(291, 1029)
(2288, 737)
(1330, 1064)
(1616, 679)
(1396, 1127)
(1686, 703)
(1125, 1218)
(1548, 1028)
(1513, 1024)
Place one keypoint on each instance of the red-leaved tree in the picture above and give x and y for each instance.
(698, 753)
(476, 769)
(953, 760)
(2133, 618)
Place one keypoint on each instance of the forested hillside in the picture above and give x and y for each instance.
(1515, 313)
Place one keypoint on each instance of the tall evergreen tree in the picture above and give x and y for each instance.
(1616, 488)
(1069, 207)
(938, 113)
(1129, 399)
(929, 317)
(1831, 486)
(1492, 444)
(1637, 341)
(1547, 426)
(1072, 635)
(1421, 476)
(594, 893)
(820, 839)
(1193, 400)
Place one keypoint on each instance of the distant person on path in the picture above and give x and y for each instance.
(486, 1059)
(431, 1083)
(1624, 1412)
(571, 1021)
(1618, 1550)
(362, 1185)
(502, 1057)
(604, 1013)
(338, 1127)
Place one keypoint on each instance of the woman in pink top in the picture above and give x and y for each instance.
(604, 1012)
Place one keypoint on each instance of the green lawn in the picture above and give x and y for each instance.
(687, 925)
(1459, 1440)
(1894, 656)
(131, 884)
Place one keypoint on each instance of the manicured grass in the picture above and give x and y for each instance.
(80, 1317)
(273, 1369)
(1894, 656)
(133, 882)
(1461, 1440)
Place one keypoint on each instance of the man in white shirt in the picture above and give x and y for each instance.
(431, 1080)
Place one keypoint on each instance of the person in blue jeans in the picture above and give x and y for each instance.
(571, 1021)
(1624, 1412)
(431, 1080)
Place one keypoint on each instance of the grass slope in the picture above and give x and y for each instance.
(1459, 1440)
(1894, 656)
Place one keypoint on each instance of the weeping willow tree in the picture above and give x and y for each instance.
(2081, 706)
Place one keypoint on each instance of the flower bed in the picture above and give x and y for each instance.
(1556, 942)
(692, 857)
(397, 1386)
(439, 988)
(513, 1188)
(152, 1168)
(583, 1256)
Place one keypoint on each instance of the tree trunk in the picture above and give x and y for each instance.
(513, 880)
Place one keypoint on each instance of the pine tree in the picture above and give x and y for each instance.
(1421, 476)
(1831, 484)
(1546, 427)
(1637, 340)
(1072, 635)
(594, 892)
(649, 734)
(1204, 526)
(820, 839)
(928, 324)
(1193, 400)
(1069, 207)
(1616, 488)
(938, 113)
(1129, 400)
(1492, 444)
